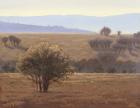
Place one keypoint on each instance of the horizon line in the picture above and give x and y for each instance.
(67, 15)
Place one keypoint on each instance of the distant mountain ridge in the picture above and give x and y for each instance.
(16, 27)
(125, 22)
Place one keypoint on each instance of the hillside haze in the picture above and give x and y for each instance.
(17, 27)
(125, 22)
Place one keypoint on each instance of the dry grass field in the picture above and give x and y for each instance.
(79, 91)
(75, 45)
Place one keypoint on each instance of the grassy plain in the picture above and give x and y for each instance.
(75, 45)
(79, 91)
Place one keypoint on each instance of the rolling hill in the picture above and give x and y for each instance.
(16, 27)
(126, 22)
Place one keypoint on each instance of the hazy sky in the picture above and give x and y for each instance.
(68, 7)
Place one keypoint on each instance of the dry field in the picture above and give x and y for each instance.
(75, 45)
(79, 91)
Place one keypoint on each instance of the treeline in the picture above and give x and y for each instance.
(108, 53)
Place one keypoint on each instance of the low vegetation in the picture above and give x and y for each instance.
(105, 64)
(7, 66)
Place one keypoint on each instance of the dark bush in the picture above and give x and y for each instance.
(105, 31)
(100, 44)
(97, 66)
(7, 66)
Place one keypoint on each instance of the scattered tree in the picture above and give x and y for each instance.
(107, 57)
(14, 41)
(118, 48)
(105, 31)
(126, 44)
(44, 64)
(11, 41)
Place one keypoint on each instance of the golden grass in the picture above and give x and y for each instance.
(79, 91)
(75, 45)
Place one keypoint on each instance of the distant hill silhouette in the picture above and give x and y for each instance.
(125, 22)
(16, 27)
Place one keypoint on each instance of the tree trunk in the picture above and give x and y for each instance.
(45, 84)
(40, 84)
